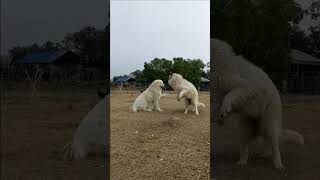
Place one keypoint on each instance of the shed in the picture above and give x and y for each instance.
(49, 57)
(304, 74)
(125, 79)
(303, 63)
(205, 84)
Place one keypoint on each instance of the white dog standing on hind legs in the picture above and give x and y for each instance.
(243, 89)
(187, 91)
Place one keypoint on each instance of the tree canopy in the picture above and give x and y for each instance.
(259, 30)
(190, 69)
(89, 43)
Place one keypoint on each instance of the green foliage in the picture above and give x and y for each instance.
(189, 69)
(157, 69)
(139, 76)
(309, 43)
(192, 70)
(90, 44)
(259, 30)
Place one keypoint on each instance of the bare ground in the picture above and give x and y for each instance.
(301, 114)
(159, 145)
(33, 134)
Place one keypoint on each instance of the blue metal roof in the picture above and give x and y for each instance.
(41, 58)
(123, 79)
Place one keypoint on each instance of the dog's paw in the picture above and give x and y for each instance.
(225, 110)
(279, 167)
(265, 154)
(241, 163)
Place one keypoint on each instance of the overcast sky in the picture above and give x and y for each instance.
(36, 21)
(142, 31)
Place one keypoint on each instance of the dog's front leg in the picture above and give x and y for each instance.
(156, 104)
(181, 94)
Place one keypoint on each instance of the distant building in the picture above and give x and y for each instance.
(51, 63)
(303, 63)
(304, 74)
(205, 84)
(58, 58)
(125, 80)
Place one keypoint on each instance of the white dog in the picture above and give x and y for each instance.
(149, 99)
(244, 89)
(91, 135)
(187, 90)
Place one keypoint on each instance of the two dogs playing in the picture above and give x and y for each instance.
(149, 99)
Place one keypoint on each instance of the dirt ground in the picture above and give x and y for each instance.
(33, 134)
(159, 145)
(166, 145)
(301, 114)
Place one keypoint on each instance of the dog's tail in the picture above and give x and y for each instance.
(288, 135)
(201, 105)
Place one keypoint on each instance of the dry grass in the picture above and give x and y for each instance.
(159, 145)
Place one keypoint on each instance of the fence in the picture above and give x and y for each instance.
(59, 79)
(291, 83)
(287, 83)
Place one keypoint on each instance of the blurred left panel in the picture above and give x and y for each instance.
(54, 89)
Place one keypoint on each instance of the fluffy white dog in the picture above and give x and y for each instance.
(185, 90)
(91, 135)
(244, 89)
(149, 99)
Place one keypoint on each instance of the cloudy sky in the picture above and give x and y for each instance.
(175, 29)
(35, 21)
(142, 31)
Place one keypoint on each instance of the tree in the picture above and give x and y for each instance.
(309, 43)
(90, 44)
(157, 69)
(259, 30)
(189, 69)
(314, 37)
(139, 76)
(206, 74)
(162, 68)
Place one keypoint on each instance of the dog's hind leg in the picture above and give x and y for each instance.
(156, 105)
(248, 133)
(187, 103)
(194, 102)
(272, 120)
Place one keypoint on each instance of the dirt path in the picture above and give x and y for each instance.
(159, 145)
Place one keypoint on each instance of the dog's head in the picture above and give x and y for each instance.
(174, 76)
(158, 83)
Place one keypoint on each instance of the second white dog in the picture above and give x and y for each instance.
(187, 90)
